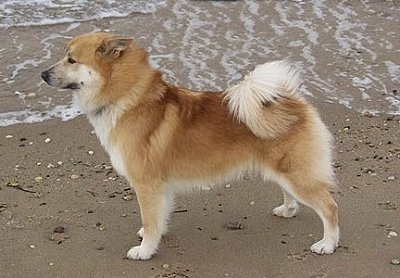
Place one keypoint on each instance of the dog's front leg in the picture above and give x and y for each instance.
(155, 203)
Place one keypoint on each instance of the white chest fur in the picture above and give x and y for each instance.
(104, 123)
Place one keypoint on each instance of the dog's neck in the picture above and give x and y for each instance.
(104, 119)
(97, 112)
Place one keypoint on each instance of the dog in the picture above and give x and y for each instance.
(164, 139)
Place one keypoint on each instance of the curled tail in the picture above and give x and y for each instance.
(267, 101)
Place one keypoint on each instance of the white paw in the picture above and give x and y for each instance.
(140, 233)
(324, 247)
(284, 211)
(140, 253)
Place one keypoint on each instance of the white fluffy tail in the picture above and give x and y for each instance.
(256, 100)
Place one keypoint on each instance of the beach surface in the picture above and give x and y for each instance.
(64, 211)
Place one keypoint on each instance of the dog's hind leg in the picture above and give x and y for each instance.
(156, 203)
(314, 194)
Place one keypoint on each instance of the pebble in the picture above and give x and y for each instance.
(252, 203)
(391, 178)
(124, 215)
(74, 177)
(32, 246)
(38, 164)
(13, 183)
(165, 266)
(392, 234)
(395, 262)
(227, 186)
(90, 152)
(368, 114)
(38, 179)
(388, 205)
(47, 140)
(31, 95)
(50, 165)
(128, 197)
(59, 229)
(37, 195)
(60, 162)
(9, 136)
(234, 225)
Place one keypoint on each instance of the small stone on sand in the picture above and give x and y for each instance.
(128, 197)
(59, 229)
(38, 179)
(234, 225)
(392, 234)
(395, 262)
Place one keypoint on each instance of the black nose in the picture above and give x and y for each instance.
(45, 76)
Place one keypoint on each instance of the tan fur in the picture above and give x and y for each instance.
(163, 138)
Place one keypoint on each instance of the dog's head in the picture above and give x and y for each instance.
(99, 67)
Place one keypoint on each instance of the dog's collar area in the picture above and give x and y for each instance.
(98, 112)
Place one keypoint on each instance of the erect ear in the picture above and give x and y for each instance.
(114, 46)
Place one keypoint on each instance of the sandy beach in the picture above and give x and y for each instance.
(64, 212)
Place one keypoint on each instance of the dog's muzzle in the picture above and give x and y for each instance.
(47, 77)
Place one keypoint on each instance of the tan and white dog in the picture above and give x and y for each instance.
(163, 138)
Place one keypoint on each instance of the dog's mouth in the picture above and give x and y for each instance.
(47, 77)
(72, 86)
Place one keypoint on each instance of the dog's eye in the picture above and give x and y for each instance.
(71, 61)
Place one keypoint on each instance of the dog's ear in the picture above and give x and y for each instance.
(114, 46)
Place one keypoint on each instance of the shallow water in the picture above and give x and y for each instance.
(46, 12)
(349, 53)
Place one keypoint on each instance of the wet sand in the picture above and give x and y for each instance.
(64, 212)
